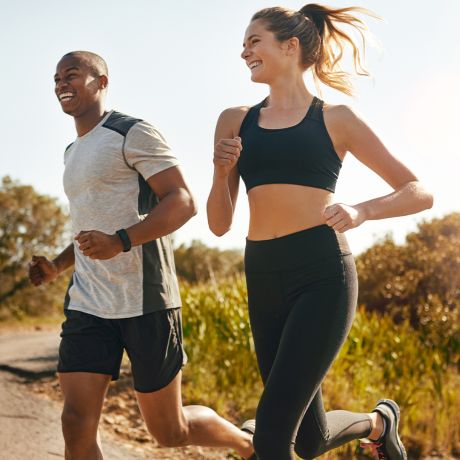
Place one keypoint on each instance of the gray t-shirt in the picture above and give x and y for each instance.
(105, 181)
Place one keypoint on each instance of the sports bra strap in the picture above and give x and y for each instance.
(316, 110)
(251, 115)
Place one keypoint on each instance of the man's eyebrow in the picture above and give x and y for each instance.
(68, 69)
(251, 36)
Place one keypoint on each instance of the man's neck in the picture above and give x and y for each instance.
(86, 122)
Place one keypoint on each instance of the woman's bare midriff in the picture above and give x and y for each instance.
(280, 209)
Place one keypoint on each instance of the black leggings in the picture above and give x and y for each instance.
(302, 293)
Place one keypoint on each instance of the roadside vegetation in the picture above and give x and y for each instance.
(404, 344)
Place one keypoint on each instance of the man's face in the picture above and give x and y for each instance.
(76, 87)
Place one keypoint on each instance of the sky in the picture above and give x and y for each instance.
(177, 65)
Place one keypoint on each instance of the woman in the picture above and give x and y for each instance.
(301, 277)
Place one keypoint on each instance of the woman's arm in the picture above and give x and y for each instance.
(224, 191)
(352, 134)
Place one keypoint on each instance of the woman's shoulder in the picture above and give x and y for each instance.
(340, 116)
(341, 112)
(343, 123)
(235, 113)
(231, 118)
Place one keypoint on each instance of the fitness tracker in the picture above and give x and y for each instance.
(125, 241)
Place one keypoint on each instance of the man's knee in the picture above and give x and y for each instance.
(169, 435)
(77, 424)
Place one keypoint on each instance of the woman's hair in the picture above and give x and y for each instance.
(322, 42)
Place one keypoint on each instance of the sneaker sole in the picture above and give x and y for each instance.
(249, 426)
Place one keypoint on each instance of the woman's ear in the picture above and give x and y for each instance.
(291, 46)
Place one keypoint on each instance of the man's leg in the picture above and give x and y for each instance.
(154, 345)
(84, 394)
(173, 425)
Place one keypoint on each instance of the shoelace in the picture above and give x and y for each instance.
(375, 449)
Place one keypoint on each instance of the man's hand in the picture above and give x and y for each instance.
(99, 245)
(42, 271)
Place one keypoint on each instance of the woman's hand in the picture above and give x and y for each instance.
(342, 217)
(226, 154)
(99, 245)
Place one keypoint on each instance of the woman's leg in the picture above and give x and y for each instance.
(268, 315)
(300, 341)
(320, 432)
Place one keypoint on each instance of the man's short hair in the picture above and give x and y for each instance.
(93, 61)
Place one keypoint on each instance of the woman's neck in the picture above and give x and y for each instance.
(287, 93)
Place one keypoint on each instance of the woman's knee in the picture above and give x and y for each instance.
(271, 447)
(310, 448)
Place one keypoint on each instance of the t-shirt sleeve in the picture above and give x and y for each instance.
(147, 151)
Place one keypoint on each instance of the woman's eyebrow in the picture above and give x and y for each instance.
(251, 36)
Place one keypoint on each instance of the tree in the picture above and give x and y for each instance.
(199, 262)
(30, 223)
(420, 281)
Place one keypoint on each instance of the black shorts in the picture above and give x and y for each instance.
(152, 341)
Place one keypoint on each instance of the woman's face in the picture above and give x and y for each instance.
(264, 54)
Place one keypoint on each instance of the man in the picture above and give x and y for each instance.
(126, 194)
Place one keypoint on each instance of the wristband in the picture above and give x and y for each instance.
(125, 241)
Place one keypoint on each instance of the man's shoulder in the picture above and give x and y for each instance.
(68, 147)
(121, 123)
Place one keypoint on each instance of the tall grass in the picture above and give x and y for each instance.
(379, 359)
(222, 364)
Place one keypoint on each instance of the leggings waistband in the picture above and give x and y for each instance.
(295, 249)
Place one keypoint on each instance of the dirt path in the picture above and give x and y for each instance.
(30, 422)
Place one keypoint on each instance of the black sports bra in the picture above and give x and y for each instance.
(302, 154)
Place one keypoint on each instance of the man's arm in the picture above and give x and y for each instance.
(42, 270)
(175, 208)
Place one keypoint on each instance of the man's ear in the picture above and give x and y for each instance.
(103, 82)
